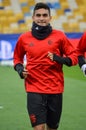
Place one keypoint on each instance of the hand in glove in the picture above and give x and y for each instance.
(62, 60)
(83, 68)
(23, 73)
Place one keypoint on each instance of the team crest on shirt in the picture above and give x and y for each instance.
(31, 44)
(50, 42)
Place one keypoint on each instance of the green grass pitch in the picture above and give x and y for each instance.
(13, 112)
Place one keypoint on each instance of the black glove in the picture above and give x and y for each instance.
(19, 68)
(81, 60)
(62, 60)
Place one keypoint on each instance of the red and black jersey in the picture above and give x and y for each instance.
(82, 45)
(45, 76)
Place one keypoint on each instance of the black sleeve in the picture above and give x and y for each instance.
(62, 60)
(81, 60)
(19, 68)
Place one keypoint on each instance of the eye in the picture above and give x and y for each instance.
(45, 15)
(38, 15)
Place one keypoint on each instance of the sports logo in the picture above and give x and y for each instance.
(33, 118)
(31, 44)
(50, 42)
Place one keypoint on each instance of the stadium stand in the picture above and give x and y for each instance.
(67, 15)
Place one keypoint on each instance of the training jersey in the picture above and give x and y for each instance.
(45, 76)
(82, 45)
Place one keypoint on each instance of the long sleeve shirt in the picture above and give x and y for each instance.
(45, 76)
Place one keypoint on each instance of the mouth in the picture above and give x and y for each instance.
(42, 23)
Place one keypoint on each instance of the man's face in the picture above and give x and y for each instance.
(41, 17)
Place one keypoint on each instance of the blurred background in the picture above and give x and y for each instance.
(68, 16)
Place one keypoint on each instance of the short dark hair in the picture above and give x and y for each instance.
(41, 5)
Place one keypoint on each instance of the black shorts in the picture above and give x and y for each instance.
(44, 108)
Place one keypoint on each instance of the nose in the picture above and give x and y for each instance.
(41, 17)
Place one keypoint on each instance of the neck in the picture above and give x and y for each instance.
(41, 32)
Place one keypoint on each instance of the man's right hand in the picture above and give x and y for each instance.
(83, 68)
(25, 73)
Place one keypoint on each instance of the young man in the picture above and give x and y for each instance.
(81, 53)
(44, 81)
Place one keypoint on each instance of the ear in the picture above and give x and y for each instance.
(32, 17)
(50, 17)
